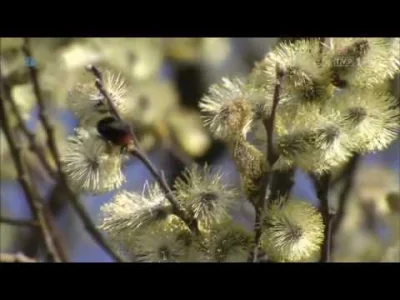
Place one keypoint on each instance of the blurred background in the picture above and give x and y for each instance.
(167, 77)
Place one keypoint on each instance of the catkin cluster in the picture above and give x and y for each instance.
(333, 102)
(144, 226)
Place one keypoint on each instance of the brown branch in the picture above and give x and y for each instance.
(31, 194)
(43, 115)
(22, 223)
(322, 188)
(31, 136)
(72, 199)
(272, 157)
(269, 123)
(15, 258)
(191, 223)
(348, 179)
(175, 150)
(141, 155)
(34, 148)
(281, 184)
(321, 50)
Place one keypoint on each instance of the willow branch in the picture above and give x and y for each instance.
(272, 157)
(30, 136)
(35, 149)
(191, 223)
(179, 154)
(348, 179)
(281, 185)
(72, 199)
(322, 188)
(141, 155)
(31, 194)
(22, 223)
(321, 50)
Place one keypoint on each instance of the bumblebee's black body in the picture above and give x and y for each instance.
(114, 131)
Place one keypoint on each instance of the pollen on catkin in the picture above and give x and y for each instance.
(204, 195)
(364, 62)
(228, 242)
(167, 241)
(91, 164)
(129, 212)
(292, 232)
(227, 110)
(306, 76)
(251, 164)
(87, 103)
(371, 118)
(312, 140)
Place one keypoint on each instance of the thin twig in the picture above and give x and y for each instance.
(191, 223)
(342, 174)
(31, 194)
(72, 199)
(22, 223)
(138, 153)
(272, 157)
(31, 136)
(15, 258)
(348, 179)
(34, 148)
(321, 50)
(269, 123)
(322, 188)
(43, 115)
(90, 227)
(174, 148)
(281, 185)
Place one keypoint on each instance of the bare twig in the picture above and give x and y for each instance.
(191, 223)
(272, 157)
(31, 194)
(321, 50)
(22, 223)
(15, 258)
(141, 155)
(322, 187)
(114, 111)
(173, 148)
(35, 149)
(31, 136)
(43, 115)
(281, 185)
(348, 179)
(77, 206)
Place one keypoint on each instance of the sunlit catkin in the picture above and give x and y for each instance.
(204, 195)
(312, 140)
(227, 110)
(229, 242)
(168, 241)
(372, 119)
(292, 232)
(130, 211)
(364, 62)
(88, 104)
(306, 73)
(91, 164)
